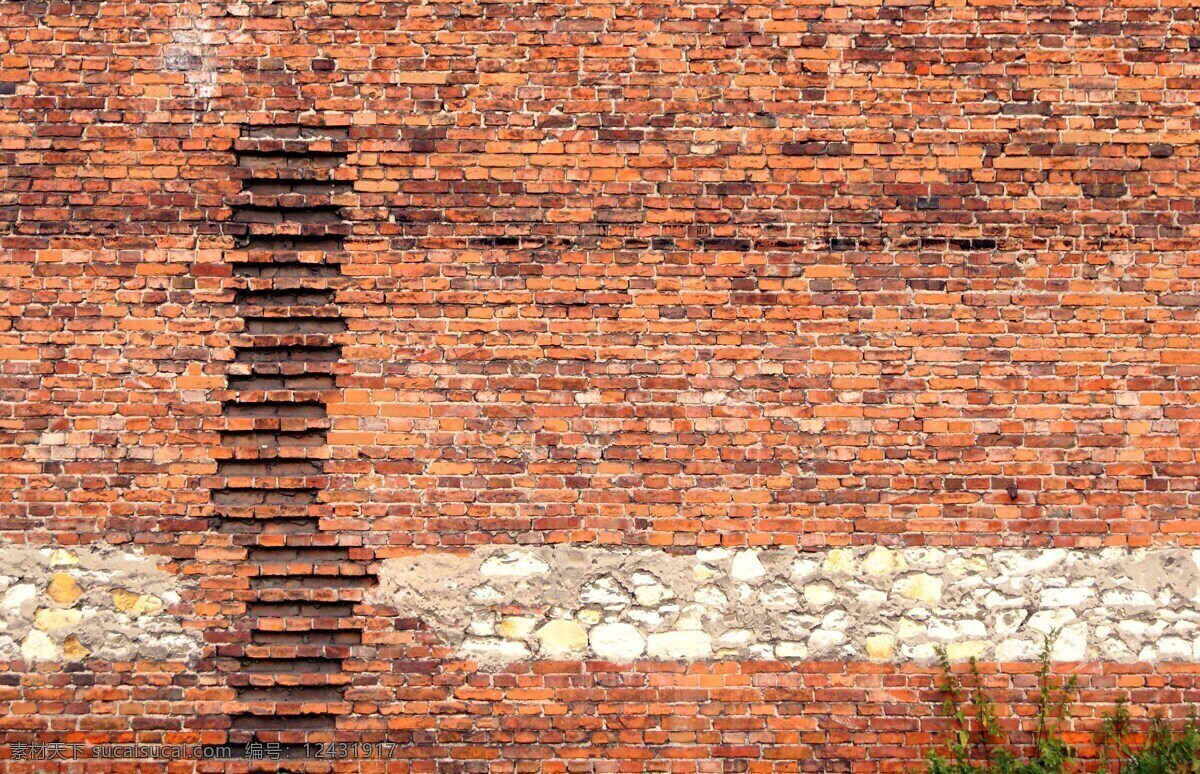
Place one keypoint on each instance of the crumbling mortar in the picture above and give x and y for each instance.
(876, 603)
(96, 601)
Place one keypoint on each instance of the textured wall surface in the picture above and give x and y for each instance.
(501, 605)
(309, 307)
(98, 601)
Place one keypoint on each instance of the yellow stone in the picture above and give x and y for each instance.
(55, 618)
(840, 560)
(968, 566)
(73, 649)
(562, 638)
(881, 647)
(136, 604)
(63, 589)
(61, 557)
(921, 588)
(517, 627)
(968, 649)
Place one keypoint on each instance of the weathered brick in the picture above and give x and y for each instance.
(291, 288)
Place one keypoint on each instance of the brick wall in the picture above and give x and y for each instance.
(291, 290)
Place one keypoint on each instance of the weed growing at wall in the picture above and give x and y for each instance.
(980, 744)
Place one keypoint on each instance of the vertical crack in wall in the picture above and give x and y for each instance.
(298, 583)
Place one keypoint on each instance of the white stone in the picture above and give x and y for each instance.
(972, 629)
(692, 617)
(778, 596)
(822, 640)
(712, 555)
(1133, 628)
(679, 645)
(760, 652)
(1112, 649)
(1047, 621)
(819, 595)
(18, 595)
(942, 631)
(38, 646)
(1070, 644)
(494, 651)
(651, 618)
(994, 600)
(482, 627)
(925, 557)
(882, 561)
(922, 653)
(791, 650)
(1007, 622)
(514, 564)
(747, 567)
(604, 591)
(871, 598)
(650, 596)
(1068, 597)
(837, 619)
(1128, 599)
(1174, 649)
(798, 624)
(1017, 650)
(1037, 562)
(736, 638)
(617, 642)
(645, 579)
(803, 569)
(711, 596)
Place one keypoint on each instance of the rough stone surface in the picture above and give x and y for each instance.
(562, 638)
(875, 603)
(97, 601)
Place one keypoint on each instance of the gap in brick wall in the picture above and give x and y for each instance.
(299, 622)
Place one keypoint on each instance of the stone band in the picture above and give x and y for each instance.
(96, 601)
(497, 605)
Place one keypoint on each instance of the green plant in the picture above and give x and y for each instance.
(1164, 751)
(984, 752)
(977, 745)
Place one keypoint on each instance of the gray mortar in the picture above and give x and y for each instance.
(1112, 604)
(107, 632)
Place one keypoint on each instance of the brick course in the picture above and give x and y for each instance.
(672, 275)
